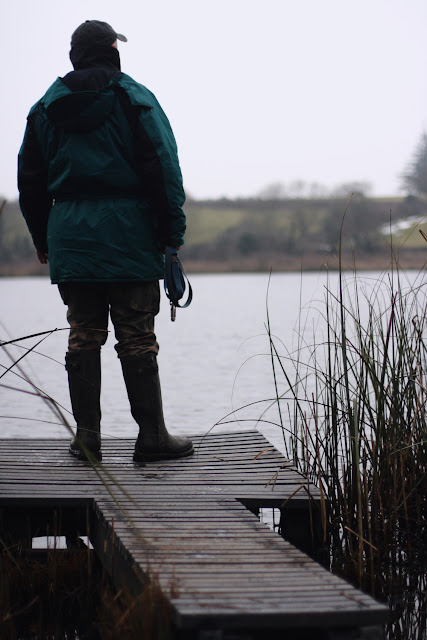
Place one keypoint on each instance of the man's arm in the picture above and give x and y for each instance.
(34, 200)
(157, 164)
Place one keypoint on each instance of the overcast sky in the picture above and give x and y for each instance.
(257, 92)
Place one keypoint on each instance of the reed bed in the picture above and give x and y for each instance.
(66, 594)
(356, 423)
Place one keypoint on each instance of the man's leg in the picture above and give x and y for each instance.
(88, 318)
(133, 309)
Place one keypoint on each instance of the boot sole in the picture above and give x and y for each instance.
(80, 455)
(153, 457)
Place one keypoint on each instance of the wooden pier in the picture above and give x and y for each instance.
(193, 524)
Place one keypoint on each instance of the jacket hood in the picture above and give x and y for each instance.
(82, 111)
(78, 111)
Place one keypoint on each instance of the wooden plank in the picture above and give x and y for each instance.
(182, 520)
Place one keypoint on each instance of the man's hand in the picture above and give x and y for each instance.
(43, 257)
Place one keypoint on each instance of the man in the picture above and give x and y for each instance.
(101, 192)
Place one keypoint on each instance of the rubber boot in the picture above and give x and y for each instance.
(141, 375)
(84, 380)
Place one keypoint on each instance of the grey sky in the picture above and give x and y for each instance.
(326, 91)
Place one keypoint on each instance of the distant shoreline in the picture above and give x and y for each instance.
(256, 236)
(262, 263)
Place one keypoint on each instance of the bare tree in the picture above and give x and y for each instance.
(414, 180)
(273, 191)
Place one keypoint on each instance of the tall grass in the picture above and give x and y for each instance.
(356, 399)
(66, 594)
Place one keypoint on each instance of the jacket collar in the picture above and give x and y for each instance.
(95, 56)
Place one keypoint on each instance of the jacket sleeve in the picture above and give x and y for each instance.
(157, 164)
(34, 200)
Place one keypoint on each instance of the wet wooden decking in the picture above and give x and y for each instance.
(192, 523)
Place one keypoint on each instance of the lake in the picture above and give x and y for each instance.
(213, 360)
(215, 366)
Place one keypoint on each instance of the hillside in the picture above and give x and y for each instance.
(244, 235)
(255, 234)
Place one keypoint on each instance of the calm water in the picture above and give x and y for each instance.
(213, 360)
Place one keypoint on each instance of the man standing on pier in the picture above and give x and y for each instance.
(101, 192)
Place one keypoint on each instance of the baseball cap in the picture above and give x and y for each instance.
(95, 32)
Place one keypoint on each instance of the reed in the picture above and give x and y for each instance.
(66, 594)
(356, 396)
(366, 442)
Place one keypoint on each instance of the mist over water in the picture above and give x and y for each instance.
(213, 360)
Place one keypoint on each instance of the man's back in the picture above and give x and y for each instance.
(101, 191)
(110, 174)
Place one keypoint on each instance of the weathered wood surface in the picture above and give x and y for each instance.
(184, 521)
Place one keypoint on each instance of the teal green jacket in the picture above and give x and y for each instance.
(100, 183)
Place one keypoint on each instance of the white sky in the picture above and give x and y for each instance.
(326, 91)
